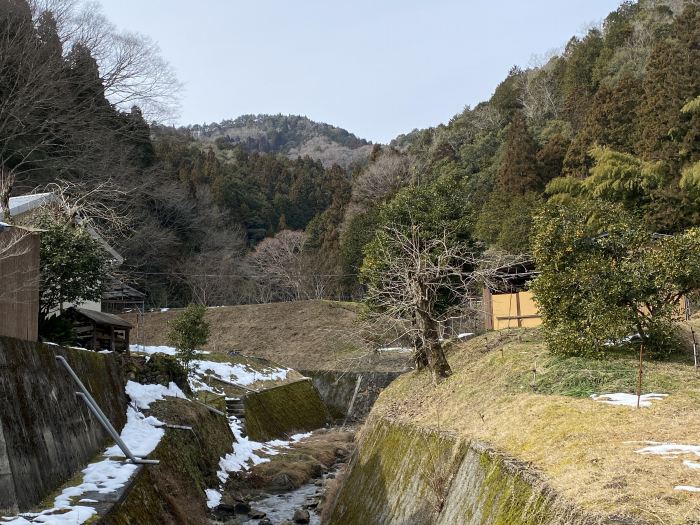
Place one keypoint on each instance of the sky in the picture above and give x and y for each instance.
(377, 68)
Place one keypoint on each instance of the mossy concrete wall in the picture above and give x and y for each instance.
(46, 431)
(284, 410)
(173, 490)
(404, 475)
(336, 389)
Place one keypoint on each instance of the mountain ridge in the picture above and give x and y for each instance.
(290, 135)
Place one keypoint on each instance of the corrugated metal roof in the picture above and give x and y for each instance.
(25, 203)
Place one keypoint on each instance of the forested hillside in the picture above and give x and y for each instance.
(291, 135)
(276, 207)
(613, 117)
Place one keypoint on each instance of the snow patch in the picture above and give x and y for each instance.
(669, 449)
(141, 434)
(464, 335)
(630, 400)
(247, 453)
(687, 488)
(144, 395)
(213, 498)
(397, 349)
(169, 350)
(239, 374)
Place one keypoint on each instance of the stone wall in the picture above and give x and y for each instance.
(336, 389)
(405, 475)
(46, 431)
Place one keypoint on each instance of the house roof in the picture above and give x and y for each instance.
(25, 203)
(103, 319)
(118, 290)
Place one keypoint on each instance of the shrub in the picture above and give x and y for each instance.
(188, 332)
(604, 277)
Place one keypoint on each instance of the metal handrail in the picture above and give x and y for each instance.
(101, 417)
(226, 382)
(209, 407)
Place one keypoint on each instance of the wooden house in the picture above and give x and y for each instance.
(511, 304)
(19, 282)
(99, 330)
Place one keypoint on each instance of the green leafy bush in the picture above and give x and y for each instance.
(188, 332)
(604, 277)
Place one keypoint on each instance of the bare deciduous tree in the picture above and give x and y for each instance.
(423, 282)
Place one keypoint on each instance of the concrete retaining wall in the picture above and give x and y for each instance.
(405, 475)
(46, 432)
(281, 411)
(336, 389)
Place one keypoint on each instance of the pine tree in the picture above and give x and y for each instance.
(518, 172)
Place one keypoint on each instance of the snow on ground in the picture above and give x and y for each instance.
(669, 449)
(674, 450)
(239, 374)
(169, 350)
(464, 335)
(245, 454)
(398, 349)
(141, 435)
(213, 498)
(144, 395)
(629, 400)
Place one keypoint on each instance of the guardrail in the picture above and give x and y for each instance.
(101, 417)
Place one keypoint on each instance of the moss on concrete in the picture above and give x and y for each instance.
(284, 410)
(47, 432)
(173, 491)
(405, 474)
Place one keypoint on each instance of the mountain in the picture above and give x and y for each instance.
(291, 135)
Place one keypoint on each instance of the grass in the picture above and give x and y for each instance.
(304, 335)
(586, 450)
(297, 465)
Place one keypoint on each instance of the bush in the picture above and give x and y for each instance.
(604, 277)
(188, 332)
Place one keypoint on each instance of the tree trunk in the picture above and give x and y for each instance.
(439, 367)
(6, 183)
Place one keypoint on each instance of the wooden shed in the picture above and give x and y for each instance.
(99, 330)
(19, 282)
(511, 305)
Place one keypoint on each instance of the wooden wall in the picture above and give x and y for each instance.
(511, 310)
(19, 283)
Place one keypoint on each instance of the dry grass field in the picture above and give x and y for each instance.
(305, 335)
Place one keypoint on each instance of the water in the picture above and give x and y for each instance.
(280, 507)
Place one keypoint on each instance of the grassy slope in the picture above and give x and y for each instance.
(585, 449)
(306, 335)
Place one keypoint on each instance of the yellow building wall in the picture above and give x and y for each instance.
(513, 310)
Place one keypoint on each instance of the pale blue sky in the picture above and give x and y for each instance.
(377, 68)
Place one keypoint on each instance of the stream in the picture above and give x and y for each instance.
(281, 507)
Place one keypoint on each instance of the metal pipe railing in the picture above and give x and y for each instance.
(210, 408)
(101, 417)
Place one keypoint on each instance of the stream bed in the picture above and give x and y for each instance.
(281, 507)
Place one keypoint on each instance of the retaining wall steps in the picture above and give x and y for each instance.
(235, 407)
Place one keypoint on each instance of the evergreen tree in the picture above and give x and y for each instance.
(672, 80)
(518, 171)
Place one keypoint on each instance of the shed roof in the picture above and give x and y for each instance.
(103, 319)
(25, 203)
